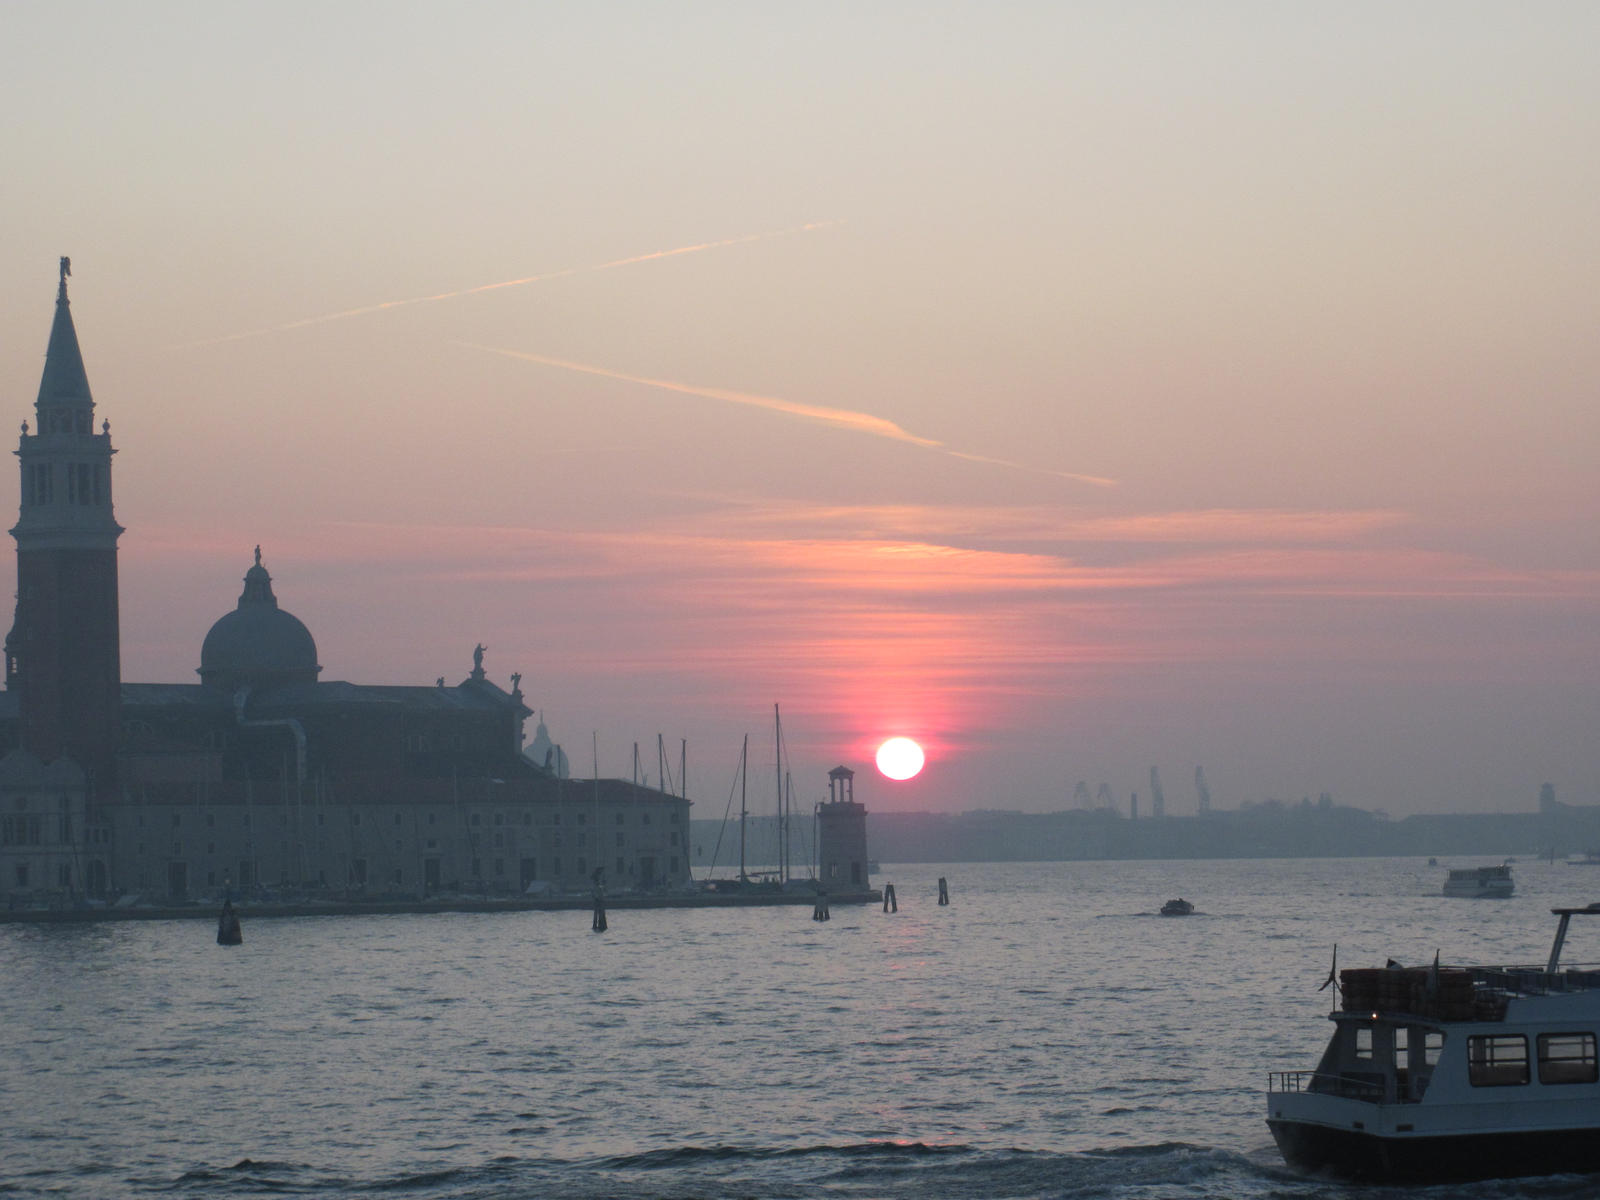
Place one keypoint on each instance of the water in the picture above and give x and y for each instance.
(1046, 1035)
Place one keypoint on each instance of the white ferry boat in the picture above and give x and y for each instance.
(1480, 883)
(1443, 1073)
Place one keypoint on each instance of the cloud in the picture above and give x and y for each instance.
(386, 305)
(839, 418)
(952, 620)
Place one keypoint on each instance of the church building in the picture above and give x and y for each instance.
(262, 776)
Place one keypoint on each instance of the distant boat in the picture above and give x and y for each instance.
(1177, 908)
(1589, 858)
(1480, 883)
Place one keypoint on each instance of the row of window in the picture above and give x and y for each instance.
(61, 419)
(22, 831)
(360, 874)
(499, 839)
(85, 483)
(63, 875)
(211, 847)
(20, 803)
(1501, 1059)
(473, 819)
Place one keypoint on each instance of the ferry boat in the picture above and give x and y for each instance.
(1447, 1073)
(1177, 908)
(1480, 883)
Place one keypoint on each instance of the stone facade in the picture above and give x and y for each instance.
(262, 777)
(47, 845)
(469, 837)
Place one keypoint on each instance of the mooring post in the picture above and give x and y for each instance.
(599, 924)
(890, 904)
(944, 891)
(820, 911)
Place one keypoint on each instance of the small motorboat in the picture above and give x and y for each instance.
(1177, 908)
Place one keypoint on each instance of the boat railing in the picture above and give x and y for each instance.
(1534, 981)
(1351, 1087)
(1452, 993)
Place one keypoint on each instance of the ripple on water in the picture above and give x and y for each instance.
(1037, 1039)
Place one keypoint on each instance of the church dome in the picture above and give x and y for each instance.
(258, 644)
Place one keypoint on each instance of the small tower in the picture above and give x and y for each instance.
(842, 836)
(63, 654)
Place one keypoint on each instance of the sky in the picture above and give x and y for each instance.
(1074, 388)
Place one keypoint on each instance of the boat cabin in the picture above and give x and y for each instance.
(1452, 1072)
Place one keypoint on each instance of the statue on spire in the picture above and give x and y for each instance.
(66, 268)
(258, 556)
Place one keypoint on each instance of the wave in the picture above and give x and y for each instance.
(878, 1169)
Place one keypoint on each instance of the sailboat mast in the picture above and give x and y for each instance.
(777, 742)
(599, 863)
(744, 762)
(788, 834)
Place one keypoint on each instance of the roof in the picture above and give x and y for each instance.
(258, 643)
(471, 696)
(167, 695)
(64, 377)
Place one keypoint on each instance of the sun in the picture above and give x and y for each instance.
(900, 758)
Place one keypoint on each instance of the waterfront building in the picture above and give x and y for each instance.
(263, 775)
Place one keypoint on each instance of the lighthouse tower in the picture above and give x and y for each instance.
(842, 836)
(63, 655)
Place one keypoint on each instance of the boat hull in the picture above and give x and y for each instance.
(1474, 891)
(1353, 1154)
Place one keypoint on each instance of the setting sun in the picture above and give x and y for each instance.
(900, 758)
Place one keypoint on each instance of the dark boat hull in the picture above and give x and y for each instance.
(1482, 1155)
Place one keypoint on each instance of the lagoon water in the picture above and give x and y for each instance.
(1046, 1035)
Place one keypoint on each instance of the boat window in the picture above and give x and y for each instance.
(1498, 1060)
(1432, 1044)
(1567, 1058)
(1364, 1041)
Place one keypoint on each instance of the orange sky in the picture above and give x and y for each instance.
(1072, 388)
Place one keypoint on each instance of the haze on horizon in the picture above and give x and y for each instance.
(1074, 389)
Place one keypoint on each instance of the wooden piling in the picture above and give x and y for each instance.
(228, 931)
(890, 904)
(944, 891)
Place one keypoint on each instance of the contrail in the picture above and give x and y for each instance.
(841, 418)
(696, 248)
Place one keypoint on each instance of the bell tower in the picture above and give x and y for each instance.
(63, 654)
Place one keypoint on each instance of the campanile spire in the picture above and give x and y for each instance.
(63, 653)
